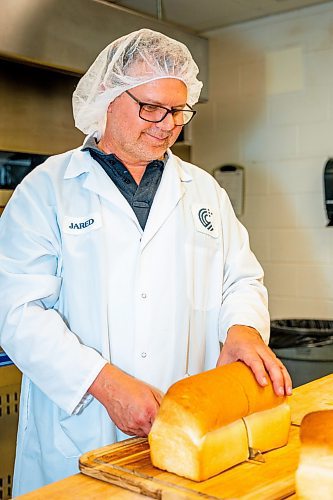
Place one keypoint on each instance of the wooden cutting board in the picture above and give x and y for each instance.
(314, 396)
(127, 464)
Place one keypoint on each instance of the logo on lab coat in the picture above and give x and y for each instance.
(205, 217)
(80, 225)
(204, 220)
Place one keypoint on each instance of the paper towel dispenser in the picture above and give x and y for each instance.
(231, 178)
(328, 190)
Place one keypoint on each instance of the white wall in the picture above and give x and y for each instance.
(271, 110)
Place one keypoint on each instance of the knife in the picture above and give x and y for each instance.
(256, 456)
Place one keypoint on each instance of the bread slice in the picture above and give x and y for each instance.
(314, 475)
(200, 429)
(268, 429)
(180, 451)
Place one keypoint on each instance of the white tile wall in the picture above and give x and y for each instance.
(295, 176)
(283, 139)
(316, 138)
(279, 274)
(280, 63)
(270, 142)
(308, 106)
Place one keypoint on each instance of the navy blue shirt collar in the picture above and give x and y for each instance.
(140, 197)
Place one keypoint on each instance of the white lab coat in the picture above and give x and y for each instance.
(82, 284)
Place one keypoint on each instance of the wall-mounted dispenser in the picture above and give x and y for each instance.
(328, 189)
(231, 178)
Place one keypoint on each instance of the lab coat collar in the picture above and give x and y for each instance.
(170, 191)
(97, 180)
(183, 173)
(78, 164)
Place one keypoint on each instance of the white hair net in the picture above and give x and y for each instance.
(134, 59)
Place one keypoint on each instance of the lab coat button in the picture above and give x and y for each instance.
(143, 295)
(143, 354)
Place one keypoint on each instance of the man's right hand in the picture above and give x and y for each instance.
(131, 404)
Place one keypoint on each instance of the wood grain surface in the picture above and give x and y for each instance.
(80, 487)
(127, 464)
(314, 396)
(272, 480)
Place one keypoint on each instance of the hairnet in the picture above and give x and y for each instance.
(134, 59)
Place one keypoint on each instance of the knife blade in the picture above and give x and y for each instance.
(256, 456)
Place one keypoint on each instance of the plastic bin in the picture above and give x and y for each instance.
(305, 346)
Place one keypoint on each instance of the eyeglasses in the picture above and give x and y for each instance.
(153, 113)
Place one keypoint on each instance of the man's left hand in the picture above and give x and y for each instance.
(245, 344)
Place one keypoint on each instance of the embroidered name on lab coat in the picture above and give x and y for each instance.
(80, 225)
(204, 220)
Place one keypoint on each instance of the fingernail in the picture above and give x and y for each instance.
(289, 391)
(264, 381)
(281, 391)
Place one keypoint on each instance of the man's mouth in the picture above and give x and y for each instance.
(158, 136)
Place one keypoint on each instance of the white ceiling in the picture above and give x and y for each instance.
(205, 15)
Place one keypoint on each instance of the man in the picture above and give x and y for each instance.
(122, 267)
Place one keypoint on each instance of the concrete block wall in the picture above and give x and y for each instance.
(271, 110)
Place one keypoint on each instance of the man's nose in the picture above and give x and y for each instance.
(168, 122)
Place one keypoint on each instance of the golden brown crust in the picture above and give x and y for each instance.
(314, 478)
(207, 422)
(259, 398)
(317, 429)
(218, 397)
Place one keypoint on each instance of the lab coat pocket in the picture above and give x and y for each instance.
(66, 436)
(79, 433)
(204, 268)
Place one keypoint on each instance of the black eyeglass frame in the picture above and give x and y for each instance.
(167, 110)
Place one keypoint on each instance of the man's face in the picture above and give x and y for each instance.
(131, 138)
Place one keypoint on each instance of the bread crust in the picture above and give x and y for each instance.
(217, 397)
(314, 475)
(317, 429)
(203, 417)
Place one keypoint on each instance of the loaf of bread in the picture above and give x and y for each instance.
(314, 475)
(207, 422)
